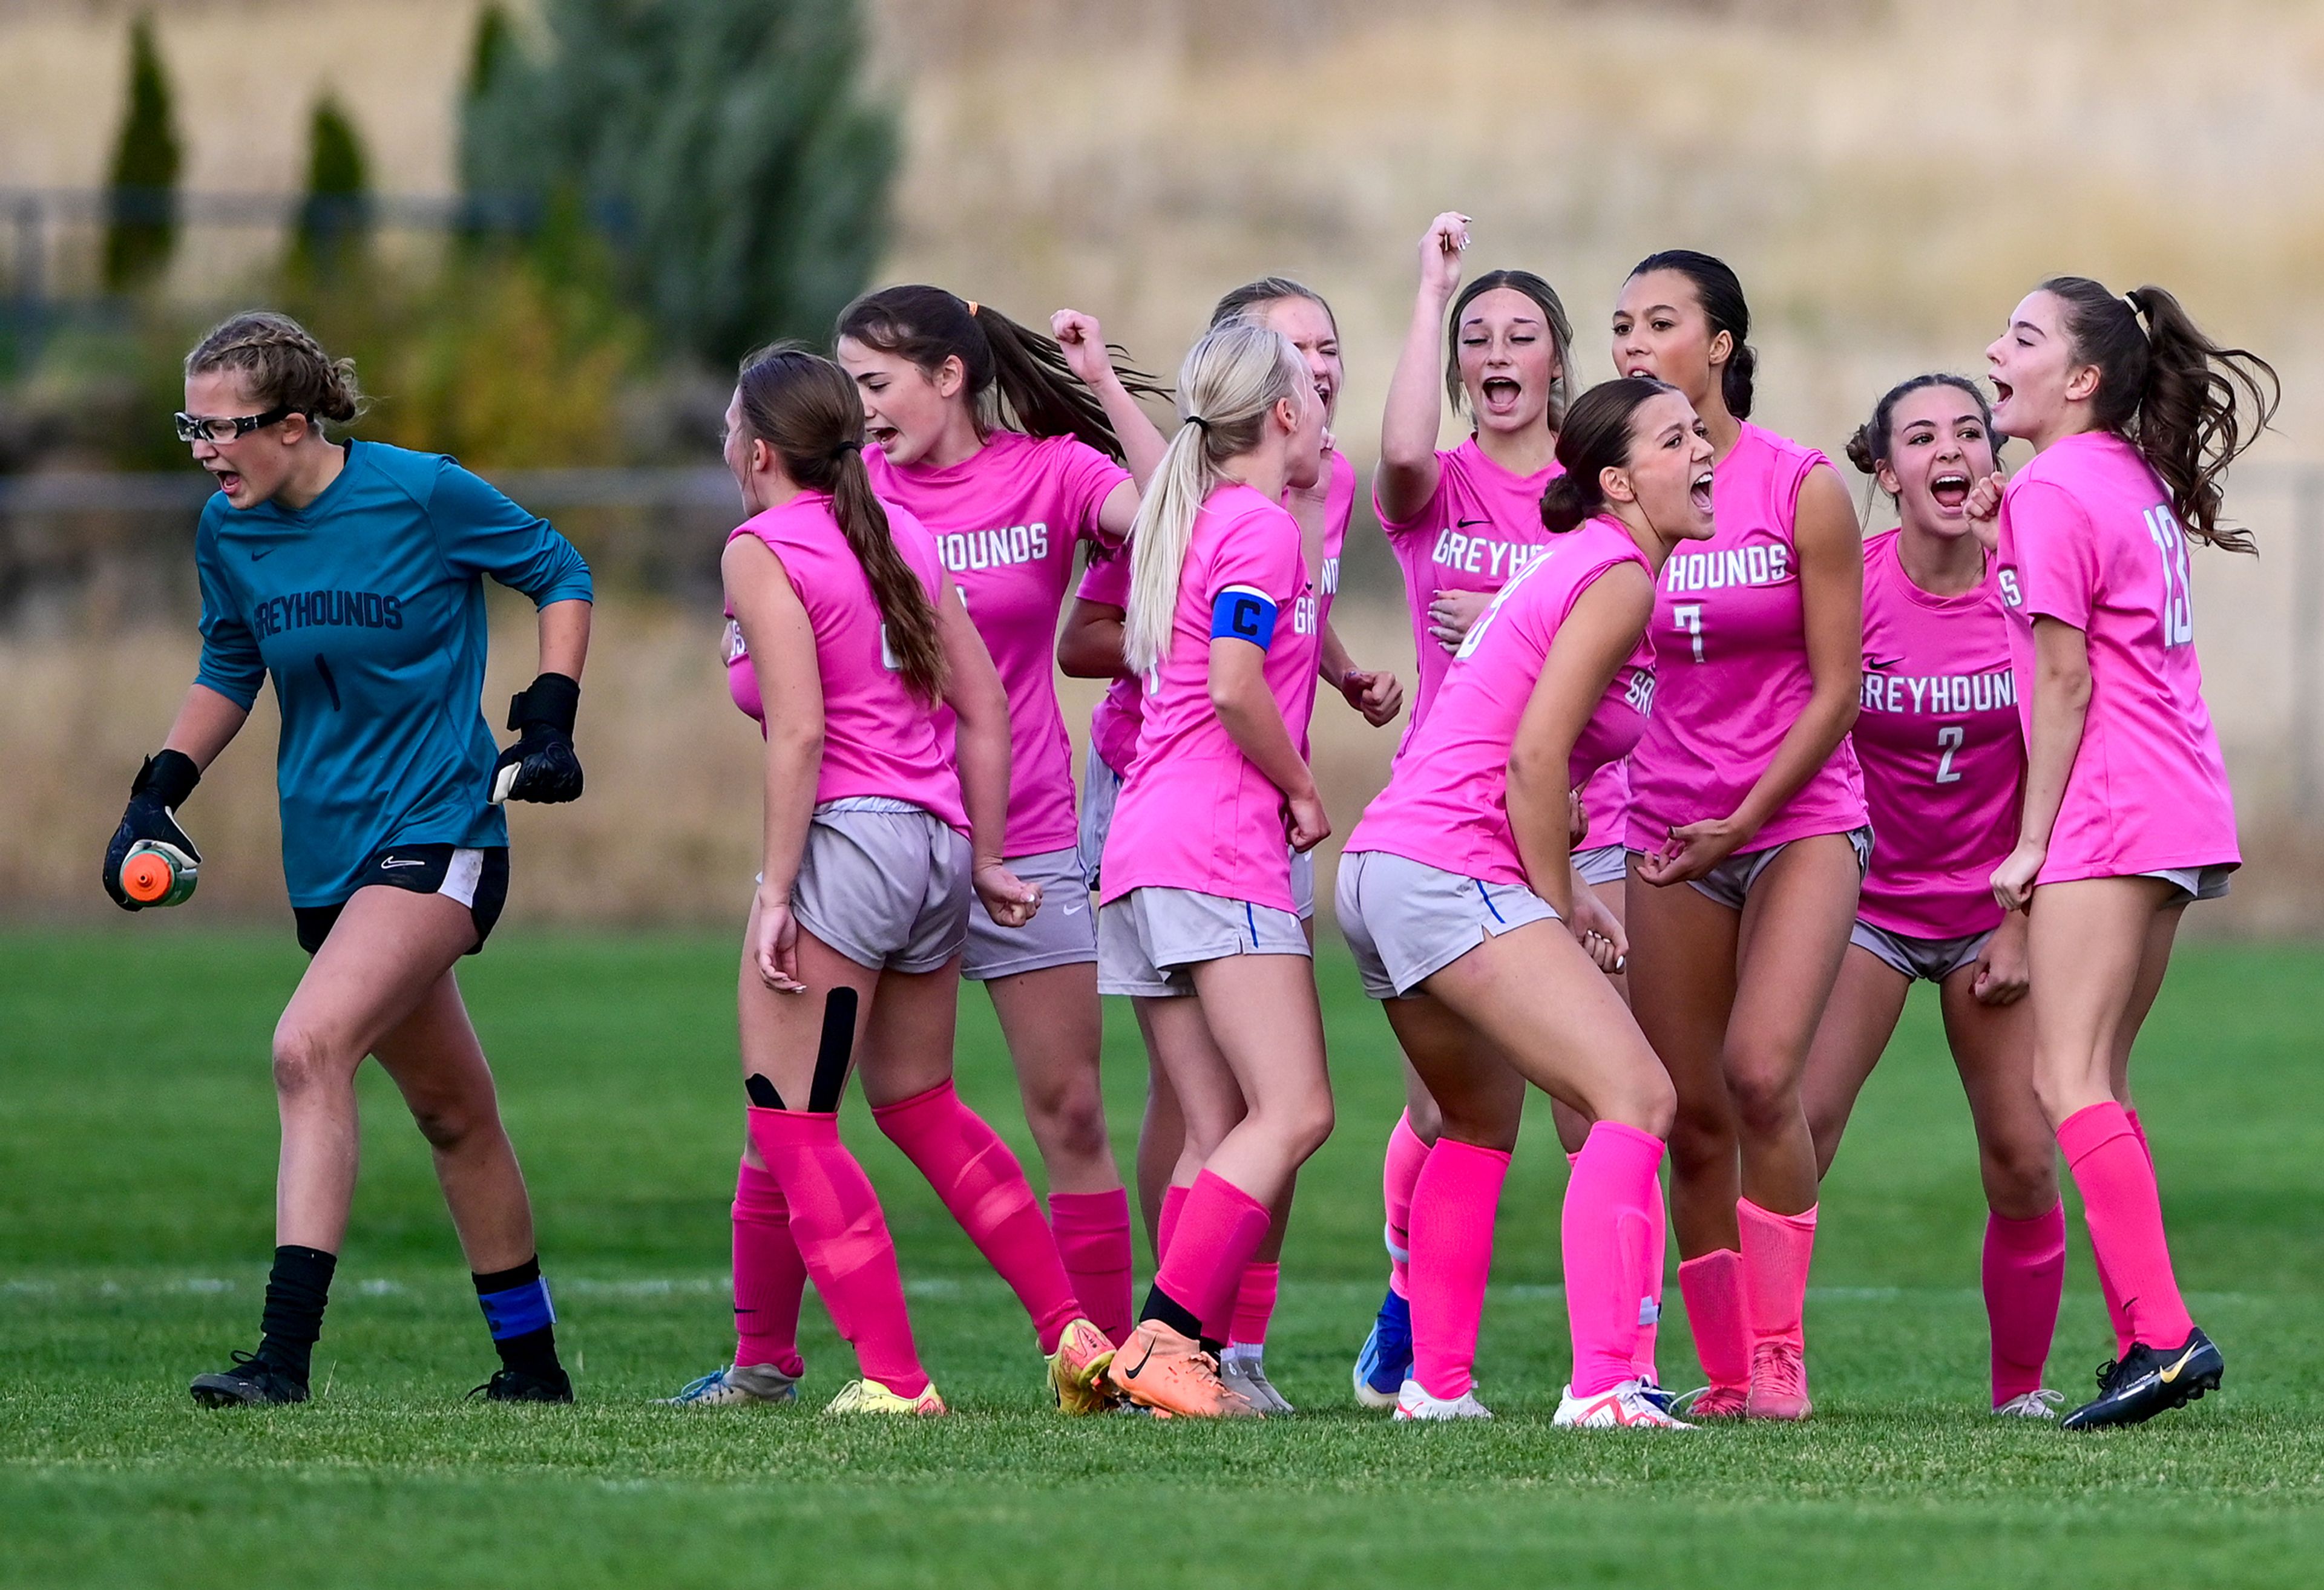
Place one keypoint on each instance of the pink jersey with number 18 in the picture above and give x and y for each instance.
(2088, 539)
(1938, 740)
(1729, 632)
(1195, 813)
(1446, 804)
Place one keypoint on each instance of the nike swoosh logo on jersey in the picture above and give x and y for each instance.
(256, 552)
(1883, 662)
(393, 861)
(1462, 524)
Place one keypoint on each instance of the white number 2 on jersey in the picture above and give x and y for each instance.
(1689, 617)
(1948, 740)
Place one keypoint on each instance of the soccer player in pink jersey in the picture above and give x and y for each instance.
(1009, 448)
(1091, 647)
(1455, 888)
(1196, 889)
(852, 643)
(1944, 766)
(1748, 835)
(1462, 521)
(2134, 415)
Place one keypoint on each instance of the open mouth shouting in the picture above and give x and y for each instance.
(1949, 491)
(1698, 492)
(1502, 394)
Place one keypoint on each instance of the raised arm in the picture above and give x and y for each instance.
(1083, 341)
(1408, 470)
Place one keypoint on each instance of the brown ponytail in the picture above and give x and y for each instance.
(2188, 405)
(283, 366)
(804, 407)
(1596, 437)
(1016, 377)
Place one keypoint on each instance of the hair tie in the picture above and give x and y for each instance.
(1197, 419)
(842, 451)
(2138, 313)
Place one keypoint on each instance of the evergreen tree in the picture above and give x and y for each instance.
(142, 205)
(725, 145)
(334, 216)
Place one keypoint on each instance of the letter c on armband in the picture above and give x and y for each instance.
(1243, 613)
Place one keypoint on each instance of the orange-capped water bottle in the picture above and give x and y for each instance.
(156, 874)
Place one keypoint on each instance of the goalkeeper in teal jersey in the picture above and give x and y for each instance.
(351, 575)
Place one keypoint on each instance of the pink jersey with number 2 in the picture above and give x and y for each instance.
(1477, 533)
(879, 738)
(1446, 804)
(2087, 537)
(1730, 633)
(1005, 520)
(1196, 813)
(1942, 757)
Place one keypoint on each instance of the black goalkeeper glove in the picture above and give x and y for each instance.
(542, 765)
(161, 787)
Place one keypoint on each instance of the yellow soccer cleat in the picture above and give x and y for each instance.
(869, 1396)
(1077, 1370)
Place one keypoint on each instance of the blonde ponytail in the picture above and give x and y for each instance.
(1230, 381)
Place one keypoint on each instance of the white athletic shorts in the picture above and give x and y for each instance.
(2196, 883)
(1061, 933)
(1729, 883)
(1149, 939)
(1101, 788)
(1605, 864)
(885, 883)
(1928, 960)
(1407, 921)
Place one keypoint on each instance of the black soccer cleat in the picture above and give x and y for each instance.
(519, 1385)
(2151, 1381)
(251, 1382)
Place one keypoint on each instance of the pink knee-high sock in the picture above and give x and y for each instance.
(1454, 1206)
(1219, 1227)
(2125, 1216)
(1399, 1175)
(1607, 1228)
(984, 1187)
(1092, 1231)
(1165, 1225)
(1777, 1252)
(2024, 1272)
(1650, 1307)
(1254, 1304)
(2117, 1316)
(842, 1237)
(1711, 1285)
(769, 1273)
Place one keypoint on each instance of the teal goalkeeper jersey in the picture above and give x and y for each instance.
(366, 608)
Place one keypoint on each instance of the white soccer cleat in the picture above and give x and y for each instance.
(1414, 1405)
(2042, 1404)
(1625, 1407)
(1245, 1373)
(737, 1385)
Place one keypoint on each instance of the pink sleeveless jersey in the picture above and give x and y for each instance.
(1005, 520)
(1194, 813)
(1730, 646)
(879, 738)
(2089, 538)
(1446, 804)
(1477, 533)
(1114, 723)
(1943, 759)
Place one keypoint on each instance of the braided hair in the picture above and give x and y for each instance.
(282, 365)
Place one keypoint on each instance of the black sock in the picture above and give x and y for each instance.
(296, 1292)
(516, 1308)
(1162, 1307)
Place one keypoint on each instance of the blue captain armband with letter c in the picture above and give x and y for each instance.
(1243, 612)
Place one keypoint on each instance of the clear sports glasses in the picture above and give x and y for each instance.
(230, 427)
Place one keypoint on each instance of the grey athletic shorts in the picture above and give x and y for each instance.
(1606, 864)
(1303, 884)
(2195, 883)
(1101, 788)
(1729, 883)
(1061, 932)
(1928, 960)
(885, 883)
(1149, 939)
(1407, 919)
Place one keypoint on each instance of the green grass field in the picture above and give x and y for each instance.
(137, 1144)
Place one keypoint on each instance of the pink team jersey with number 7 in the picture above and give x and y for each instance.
(1730, 633)
(879, 738)
(2088, 539)
(1942, 757)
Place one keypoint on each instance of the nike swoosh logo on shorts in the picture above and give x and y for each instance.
(1069, 910)
(391, 862)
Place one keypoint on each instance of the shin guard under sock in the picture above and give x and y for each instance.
(1777, 1250)
(1606, 1229)
(1455, 1203)
(1165, 1225)
(1399, 1175)
(523, 1323)
(2025, 1272)
(1254, 1305)
(2124, 1214)
(1219, 1230)
(1650, 1307)
(1093, 1232)
(298, 1289)
(770, 1276)
(1711, 1285)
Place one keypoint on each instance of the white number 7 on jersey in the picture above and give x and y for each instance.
(1689, 616)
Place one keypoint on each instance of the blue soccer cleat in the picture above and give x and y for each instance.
(1385, 1362)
